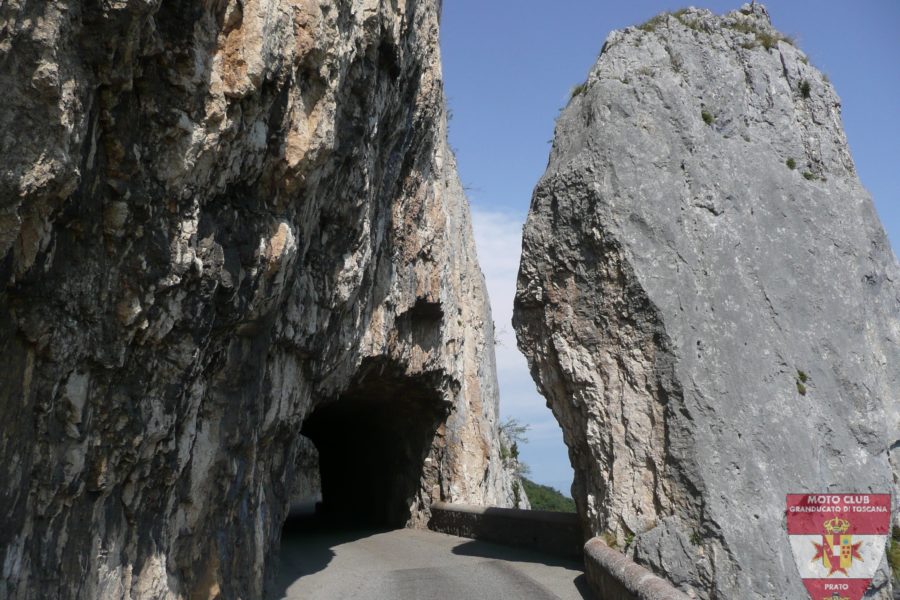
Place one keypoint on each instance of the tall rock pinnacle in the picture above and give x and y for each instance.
(709, 303)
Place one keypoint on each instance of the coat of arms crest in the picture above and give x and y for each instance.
(838, 541)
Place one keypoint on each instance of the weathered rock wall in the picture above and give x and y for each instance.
(216, 216)
(699, 245)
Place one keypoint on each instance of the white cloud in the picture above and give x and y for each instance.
(498, 236)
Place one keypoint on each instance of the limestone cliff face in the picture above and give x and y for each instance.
(708, 301)
(223, 224)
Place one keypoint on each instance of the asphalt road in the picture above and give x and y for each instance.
(410, 564)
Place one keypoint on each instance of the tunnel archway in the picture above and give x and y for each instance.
(374, 442)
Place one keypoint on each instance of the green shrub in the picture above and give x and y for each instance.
(744, 27)
(804, 88)
(578, 90)
(652, 24)
(696, 538)
(893, 554)
(707, 117)
(800, 380)
(808, 175)
(689, 23)
(660, 19)
(767, 39)
(511, 433)
(791, 164)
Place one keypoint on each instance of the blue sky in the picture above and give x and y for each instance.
(508, 69)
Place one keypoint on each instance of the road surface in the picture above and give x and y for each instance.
(409, 564)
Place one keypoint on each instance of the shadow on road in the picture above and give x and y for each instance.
(307, 540)
(513, 554)
(584, 588)
(320, 558)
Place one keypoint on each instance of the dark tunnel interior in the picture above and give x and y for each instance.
(373, 440)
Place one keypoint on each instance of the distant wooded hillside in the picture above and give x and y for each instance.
(543, 497)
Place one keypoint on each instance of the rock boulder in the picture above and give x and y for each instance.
(708, 301)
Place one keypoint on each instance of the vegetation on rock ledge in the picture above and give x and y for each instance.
(893, 554)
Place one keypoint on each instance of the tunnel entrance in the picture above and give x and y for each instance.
(373, 441)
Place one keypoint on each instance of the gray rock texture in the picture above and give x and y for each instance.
(307, 476)
(700, 245)
(223, 223)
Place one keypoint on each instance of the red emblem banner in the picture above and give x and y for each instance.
(838, 541)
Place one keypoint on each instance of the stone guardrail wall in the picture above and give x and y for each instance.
(611, 574)
(614, 576)
(551, 532)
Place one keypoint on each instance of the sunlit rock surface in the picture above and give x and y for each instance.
(216, 218)
(709, 303)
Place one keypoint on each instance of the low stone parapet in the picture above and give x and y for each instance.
(551, 532)
(614, 576)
